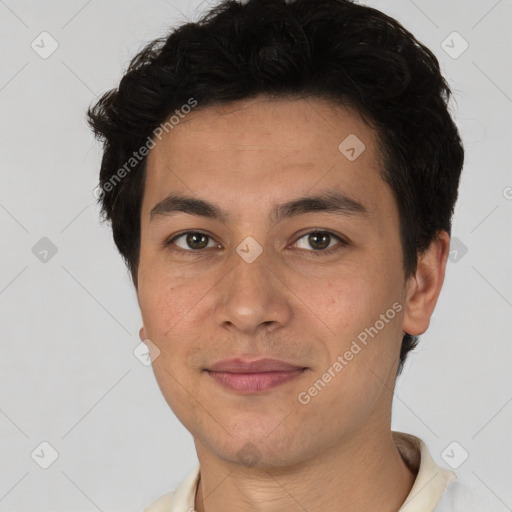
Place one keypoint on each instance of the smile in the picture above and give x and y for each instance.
(254, 382)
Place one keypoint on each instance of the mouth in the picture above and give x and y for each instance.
(253, 376)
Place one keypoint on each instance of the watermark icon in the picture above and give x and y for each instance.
(142, 152)
(507, 193)
(352, 147)
(249, 454)
(454, 45)
(458, 249)
(249, 249)
(455, 455)
(304, 397)
(44, 45)
(146, 352)
(44, 250)
(44, 455)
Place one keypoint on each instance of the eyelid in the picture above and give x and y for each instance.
(174, 237)
(342, 241)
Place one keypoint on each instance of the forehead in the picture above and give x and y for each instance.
(297, 125)
(265, 148)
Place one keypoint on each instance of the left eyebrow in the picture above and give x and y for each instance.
(327, 201)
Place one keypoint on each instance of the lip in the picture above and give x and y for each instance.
(253, 376)
(259, 366)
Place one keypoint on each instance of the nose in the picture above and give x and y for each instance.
(252, 298)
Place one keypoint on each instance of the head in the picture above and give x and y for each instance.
(310, 126)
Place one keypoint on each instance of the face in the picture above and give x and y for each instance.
(293, 254)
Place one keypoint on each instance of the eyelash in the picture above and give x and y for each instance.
(191, 252)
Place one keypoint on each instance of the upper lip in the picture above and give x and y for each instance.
(258, 366)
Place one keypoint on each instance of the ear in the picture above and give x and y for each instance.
(142, 333)
(423, 288)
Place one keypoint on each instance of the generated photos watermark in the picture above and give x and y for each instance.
(304, 397)
(142, 152)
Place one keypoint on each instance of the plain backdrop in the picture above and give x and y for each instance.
(68, 313)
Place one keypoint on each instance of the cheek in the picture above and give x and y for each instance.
(170, 316)
(359, 318)
(166, 300)
(180, 392)
(343, 304)
(177, 313)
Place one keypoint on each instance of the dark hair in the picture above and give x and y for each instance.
(332, 49)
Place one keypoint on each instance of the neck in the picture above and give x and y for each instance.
(361, 475)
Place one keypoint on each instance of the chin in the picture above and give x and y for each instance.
(253, 450)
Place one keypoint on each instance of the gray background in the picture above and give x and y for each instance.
(69, 323)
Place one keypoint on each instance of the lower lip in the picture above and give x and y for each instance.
(254, 382)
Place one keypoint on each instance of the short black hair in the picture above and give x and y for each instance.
(336, 50)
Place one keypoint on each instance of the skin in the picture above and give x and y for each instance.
(294, 303)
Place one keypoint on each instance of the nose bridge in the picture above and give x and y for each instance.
(252, 296)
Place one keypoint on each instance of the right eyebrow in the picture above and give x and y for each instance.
(176, 203)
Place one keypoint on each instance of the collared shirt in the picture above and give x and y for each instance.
(435, 489)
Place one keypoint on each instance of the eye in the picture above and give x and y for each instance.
(193, 241)
(320, 241)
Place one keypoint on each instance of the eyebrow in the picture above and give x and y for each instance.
(327, 201)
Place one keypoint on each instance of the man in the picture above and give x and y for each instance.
(280, 177)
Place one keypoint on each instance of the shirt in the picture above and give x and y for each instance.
(435, 489)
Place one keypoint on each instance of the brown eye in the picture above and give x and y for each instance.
(193, 240)
(317, 240)
(196, 240)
